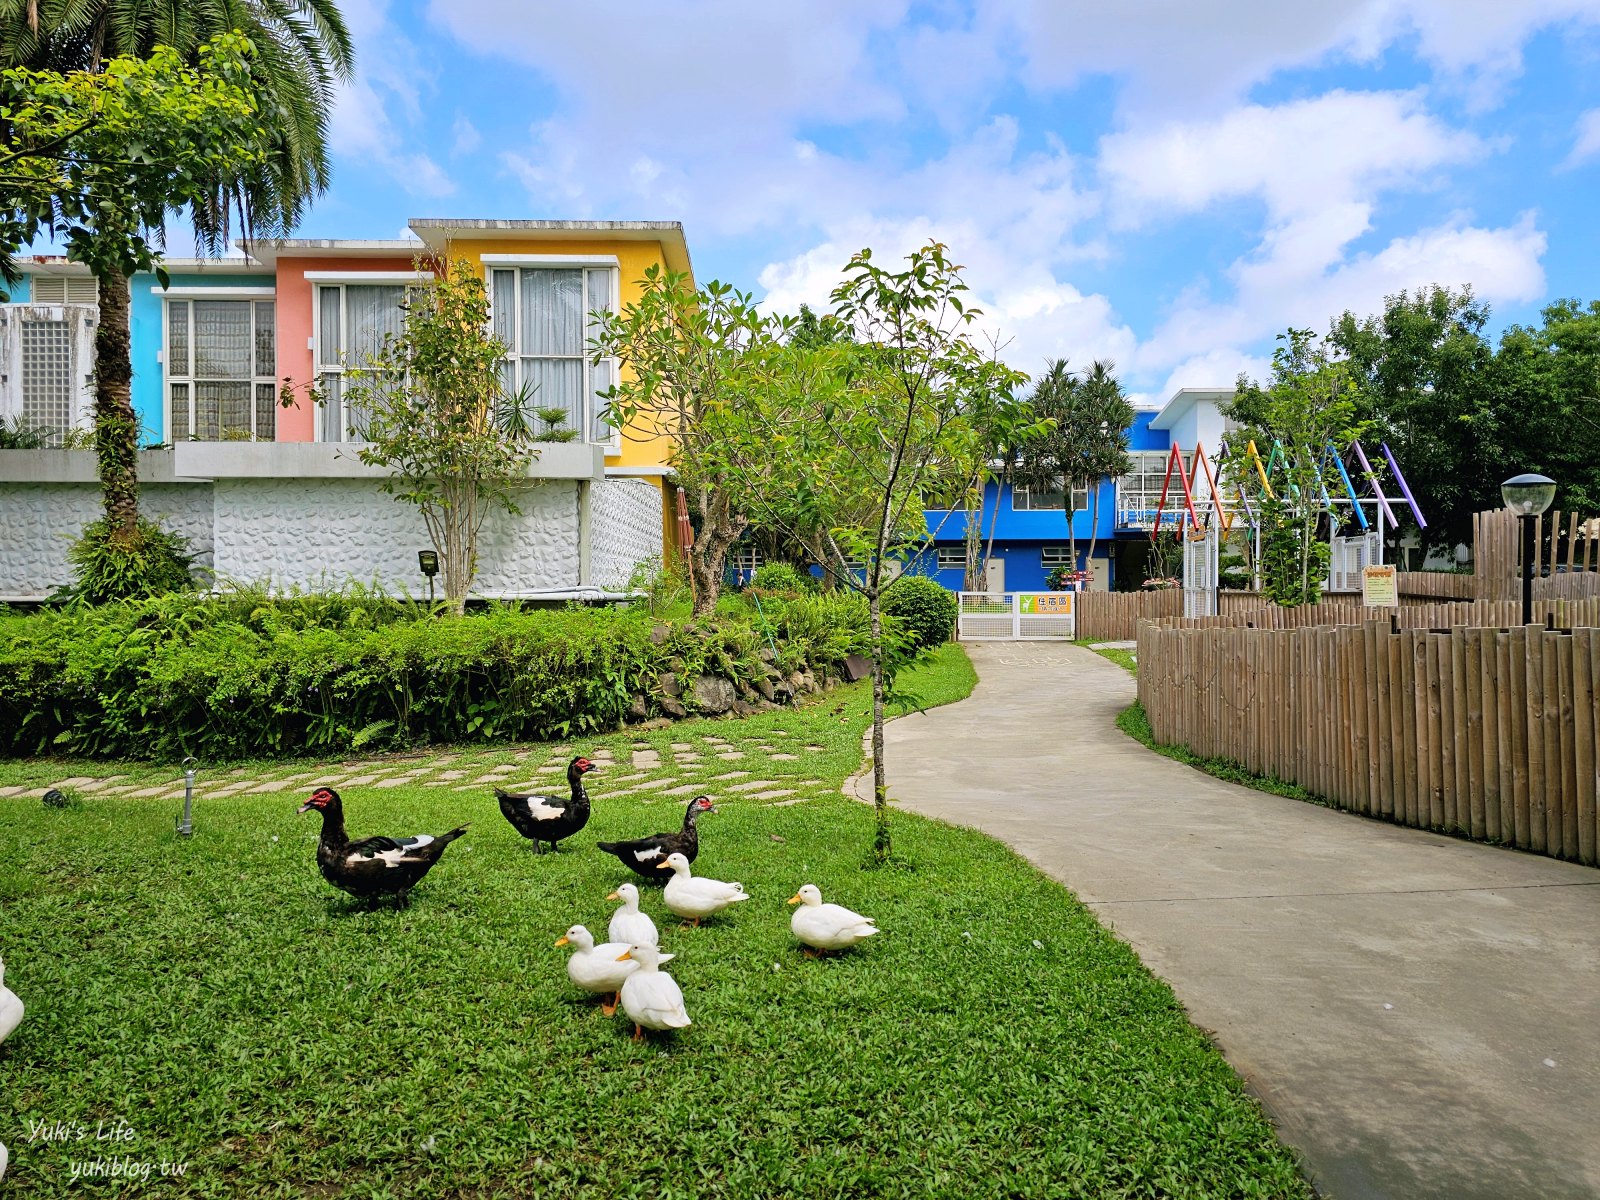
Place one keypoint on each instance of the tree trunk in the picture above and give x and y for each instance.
(994, 521)
(881, 845)
(116, 430)
(1094, 525)
(1072, 532)
(719, 530)
(972, 543)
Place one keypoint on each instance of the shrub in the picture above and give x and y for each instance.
(925, 610)
(780, 577)
(154, 563)
(247, 675)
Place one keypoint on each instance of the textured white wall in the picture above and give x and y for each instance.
(38, 521)
(625, 523)
(320, 533)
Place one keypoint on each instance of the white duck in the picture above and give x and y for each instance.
(628, 925)
(598, 969)
(650, 997)
(827, 926)
(693, 898)
(10, 1007)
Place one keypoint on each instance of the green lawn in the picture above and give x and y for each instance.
(247, 1021)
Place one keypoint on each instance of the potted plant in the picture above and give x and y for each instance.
(1065, 579)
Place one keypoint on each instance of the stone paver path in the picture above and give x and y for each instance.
(1418, 1013)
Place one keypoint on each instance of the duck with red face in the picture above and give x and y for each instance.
(374, 866)
(549, 818)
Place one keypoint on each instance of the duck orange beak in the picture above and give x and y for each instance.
(794, 899)
(625, 956)
(613, 896)
(562, 941)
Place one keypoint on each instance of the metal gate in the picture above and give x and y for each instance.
(1200, 554)
(1349, 557)
(1016, 617)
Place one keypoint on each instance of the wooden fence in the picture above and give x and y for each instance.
(1566, 555)
(1437, 585)
(1560, 614)
(1490, 733)
(1115, 616)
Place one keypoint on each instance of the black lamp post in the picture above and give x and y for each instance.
(428, 563)
(1528, 496)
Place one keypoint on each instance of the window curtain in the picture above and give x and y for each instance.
(552, 341)
(372, 316)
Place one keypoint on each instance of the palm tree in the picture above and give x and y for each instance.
(302, 50)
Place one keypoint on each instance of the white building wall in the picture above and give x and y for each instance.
(321, 533)
(39, 521)
(626, 524)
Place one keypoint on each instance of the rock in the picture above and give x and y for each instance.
(658, 722)
(767, 655)
(673, 707)
(740, 709)
(669, 685)
(797, 681)
(768, 692)
(659, 634)
(713, 694)
(747, 690)
(638, 707)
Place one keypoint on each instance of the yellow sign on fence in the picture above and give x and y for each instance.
(1379, 587)
(1051, 604)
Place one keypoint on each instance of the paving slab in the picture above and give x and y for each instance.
(1417, 1012)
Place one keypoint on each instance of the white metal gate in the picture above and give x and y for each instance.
(1351, 555)
(1016, 617)
(1200, 553)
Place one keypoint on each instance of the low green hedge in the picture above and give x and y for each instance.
(236, 678)
(926, 610)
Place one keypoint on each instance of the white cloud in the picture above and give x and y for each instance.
(390, 78)
(1298, 157)
(1586, 139)
(466, 137)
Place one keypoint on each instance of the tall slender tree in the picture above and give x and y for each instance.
(301, 49)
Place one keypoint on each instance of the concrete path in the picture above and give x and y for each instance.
(1420, 1015)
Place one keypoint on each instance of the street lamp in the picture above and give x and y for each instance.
(1528, 496)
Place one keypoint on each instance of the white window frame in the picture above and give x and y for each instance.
(516, 264)
(958, 553)
(745, 560)
(339, 281)
(1056, 556)
(1022, 499)
(253, 296)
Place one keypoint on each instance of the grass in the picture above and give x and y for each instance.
(1120, 655)
(1133, 722)
(249, 1022)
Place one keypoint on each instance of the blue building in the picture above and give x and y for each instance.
(1030, 526)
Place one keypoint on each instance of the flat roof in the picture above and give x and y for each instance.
(55, 264)
(269, 250)
(438, 231)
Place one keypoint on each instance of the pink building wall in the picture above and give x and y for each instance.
(295, 315)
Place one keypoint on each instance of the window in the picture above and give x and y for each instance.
(353, 322)
(543, 315)
(64, 289)
(221, 364)
(1056, 556)
(52, 347)
(1051, 499)
(744, 559)
(952, 558)
(1139, 491)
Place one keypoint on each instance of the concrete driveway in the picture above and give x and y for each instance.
(1420, 1015)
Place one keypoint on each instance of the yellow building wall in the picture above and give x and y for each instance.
(642, 444)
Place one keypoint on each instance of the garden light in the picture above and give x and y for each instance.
(1528, 496)
(185, 823)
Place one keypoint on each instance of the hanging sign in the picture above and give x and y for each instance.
(1379, 587)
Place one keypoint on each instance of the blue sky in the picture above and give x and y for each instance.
(1161, 182)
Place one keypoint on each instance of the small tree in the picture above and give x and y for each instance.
(432, 394)
(863, 446)
(97, 159)
(1302, 418)
(683, 355)
(1085, 440)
